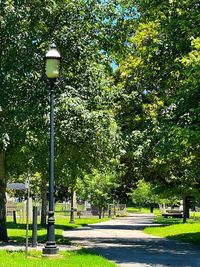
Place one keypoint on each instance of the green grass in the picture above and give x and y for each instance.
(175, 229)
(80, 258)
(17, 232)
(167, 221)
(141, 210)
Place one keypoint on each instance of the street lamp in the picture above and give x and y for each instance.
(52, 72)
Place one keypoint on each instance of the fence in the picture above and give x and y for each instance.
(18, 209)
(116, 210)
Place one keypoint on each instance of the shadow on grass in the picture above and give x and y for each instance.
(22, 226)
(84, 251)
(37, 254)
(42, 238)
(167, 221)
(20, 240)
(193, 238)
(171, 221)
(42, 233)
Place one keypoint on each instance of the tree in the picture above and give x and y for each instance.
(139, 105)
(3, 229)
(158, 91)
(85, 32)
(97, 188)
(144, 195)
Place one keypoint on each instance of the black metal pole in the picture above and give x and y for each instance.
(51, 248)
(34, 227)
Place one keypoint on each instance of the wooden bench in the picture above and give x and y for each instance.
(173, 214)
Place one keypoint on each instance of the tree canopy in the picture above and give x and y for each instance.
(160, 97)
(141, 117)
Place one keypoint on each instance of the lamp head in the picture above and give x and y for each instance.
(52, 62)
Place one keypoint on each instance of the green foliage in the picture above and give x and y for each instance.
(88, 37)
(158, 82)
(87, 136)
(35, 185)
(147, 114)
(144, 195)
(97, 188)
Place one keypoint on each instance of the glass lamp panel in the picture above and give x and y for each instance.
(52, 68)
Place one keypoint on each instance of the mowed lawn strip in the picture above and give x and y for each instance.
(81, 258)
(141, 210)
(186, 232)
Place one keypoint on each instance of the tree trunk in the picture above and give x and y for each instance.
(186, 208)
(3, 228)
(109, 212)
(72, 206)
(151, 208)
(103, 212)
(100, 212)
(44, 203)
(114, 210)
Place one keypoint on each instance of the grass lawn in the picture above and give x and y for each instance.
(141, 210)
(17, 232)
(176, 229)
(81, 258)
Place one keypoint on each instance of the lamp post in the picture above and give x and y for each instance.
(52, 72)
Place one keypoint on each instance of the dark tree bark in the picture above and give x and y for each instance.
(109, 212)
(151, 208)
(3, 228)
(44, 203)
(186, 208)
(103, 212)
(100, 212)
(72, 206)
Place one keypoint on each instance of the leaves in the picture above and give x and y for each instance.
(160, 122)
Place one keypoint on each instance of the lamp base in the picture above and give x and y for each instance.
(50, 250)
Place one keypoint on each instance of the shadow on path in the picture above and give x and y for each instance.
(122, 227)
(121, 241)
(148, 252)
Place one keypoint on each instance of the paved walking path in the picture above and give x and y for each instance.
(122, 241)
